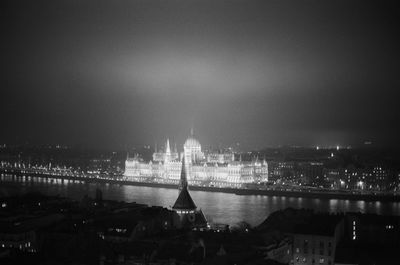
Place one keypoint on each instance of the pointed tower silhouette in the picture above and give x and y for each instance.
(183, 182)
(184, 206)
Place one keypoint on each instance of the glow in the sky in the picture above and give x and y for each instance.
(119, 73)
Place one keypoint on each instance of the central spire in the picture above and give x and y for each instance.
(184, 201)
(168, 149)
(183, 183)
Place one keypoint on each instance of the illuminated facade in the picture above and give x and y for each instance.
(208, 169)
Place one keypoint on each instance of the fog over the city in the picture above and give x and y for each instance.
(263, 73)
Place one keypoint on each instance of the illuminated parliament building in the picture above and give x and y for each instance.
(203, 169)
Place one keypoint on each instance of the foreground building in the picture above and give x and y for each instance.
(315, 242)
(184, 206)
(208, 169)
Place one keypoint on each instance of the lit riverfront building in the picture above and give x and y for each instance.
(203, 169)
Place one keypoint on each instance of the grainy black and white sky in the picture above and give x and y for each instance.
(262, 73)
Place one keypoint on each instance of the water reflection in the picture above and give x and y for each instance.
(360, 206)
(219, 207)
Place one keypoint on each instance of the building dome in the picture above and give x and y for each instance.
(191, 142)
(192, 149)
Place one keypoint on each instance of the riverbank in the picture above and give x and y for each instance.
(262, 192)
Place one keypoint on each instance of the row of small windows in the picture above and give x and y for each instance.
(321, 260)
(321, 244)
(321, 251)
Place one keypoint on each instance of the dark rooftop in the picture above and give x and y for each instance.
(184, 201)
(319, 224)
(301, 222)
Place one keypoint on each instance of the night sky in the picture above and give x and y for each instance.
(262, 73)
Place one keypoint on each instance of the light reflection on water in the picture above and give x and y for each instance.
(218, 207)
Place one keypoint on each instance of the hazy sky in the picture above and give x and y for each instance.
(262, 73)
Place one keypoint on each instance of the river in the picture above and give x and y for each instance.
(218, 207)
